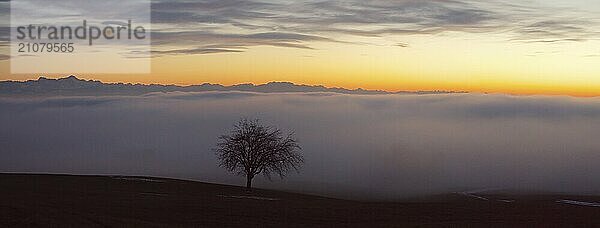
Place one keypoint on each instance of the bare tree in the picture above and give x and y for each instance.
(251, 149)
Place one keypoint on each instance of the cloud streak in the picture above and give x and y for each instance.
(337, 20)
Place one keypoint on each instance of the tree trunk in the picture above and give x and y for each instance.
(248, 182)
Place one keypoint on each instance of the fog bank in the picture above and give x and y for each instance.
(379, 146)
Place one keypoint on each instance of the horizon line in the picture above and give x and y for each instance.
(302, 84)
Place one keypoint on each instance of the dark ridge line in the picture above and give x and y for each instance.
(73, 86)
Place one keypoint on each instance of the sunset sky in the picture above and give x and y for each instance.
(504, 46)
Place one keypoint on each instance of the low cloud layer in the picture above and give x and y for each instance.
(378, 146)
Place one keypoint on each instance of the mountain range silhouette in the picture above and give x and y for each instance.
(73, 86)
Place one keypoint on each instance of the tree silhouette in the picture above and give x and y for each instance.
(252, 148)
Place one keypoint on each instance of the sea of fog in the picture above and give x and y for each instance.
(377, 146)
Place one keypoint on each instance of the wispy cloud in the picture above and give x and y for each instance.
(551, 31)
(195, 51)
(230, 41)
(195, 27)
(297, 24)
(250, 23)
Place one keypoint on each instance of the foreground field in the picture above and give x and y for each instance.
(108, 201)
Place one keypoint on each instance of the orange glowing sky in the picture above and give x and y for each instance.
(519, 47)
